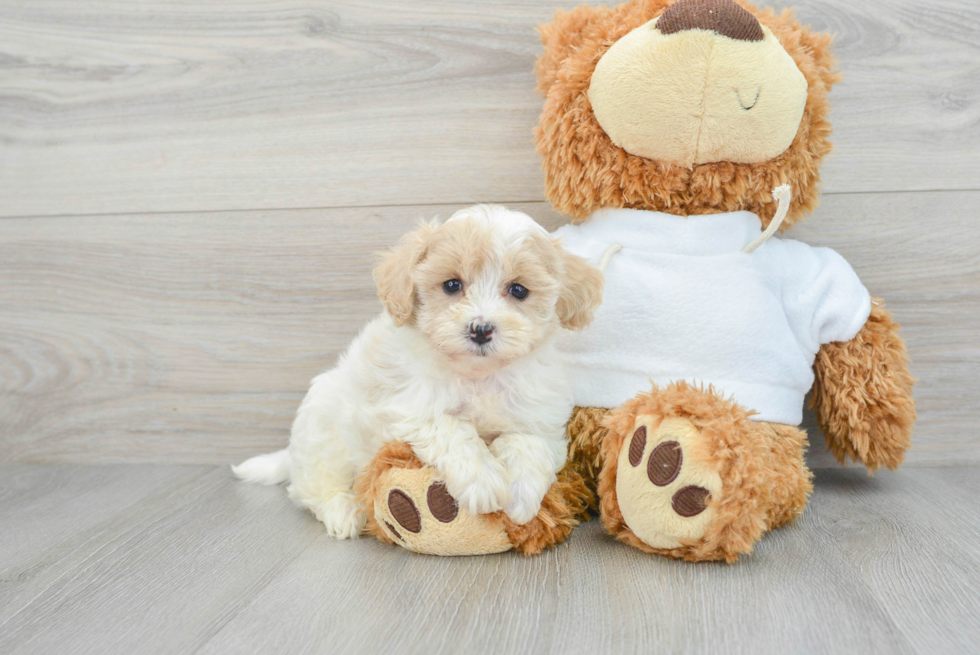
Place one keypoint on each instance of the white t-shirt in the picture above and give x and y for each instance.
(682, 302)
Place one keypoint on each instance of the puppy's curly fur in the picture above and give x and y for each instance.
(485, 407)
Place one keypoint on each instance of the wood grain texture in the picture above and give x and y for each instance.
(372, 598)
(592, 595)
(209, 565)
(122, 106)
(796, 594)
(158, 577)
(44, 506)
(191, 338)
(913, 540)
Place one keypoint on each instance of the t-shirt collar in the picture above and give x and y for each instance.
(706, 234)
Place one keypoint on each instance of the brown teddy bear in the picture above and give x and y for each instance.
(678, 131)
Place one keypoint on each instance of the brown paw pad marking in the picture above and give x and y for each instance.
(392, 530)
(690, 501)
(404, 511)
(637, 444)
(441, 504)
(665, 463)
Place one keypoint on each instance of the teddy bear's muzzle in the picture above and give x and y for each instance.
(703, 82)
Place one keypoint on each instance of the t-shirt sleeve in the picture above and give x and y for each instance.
(825, 300)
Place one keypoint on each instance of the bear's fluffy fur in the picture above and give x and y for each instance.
(862, 395)
(584, 170)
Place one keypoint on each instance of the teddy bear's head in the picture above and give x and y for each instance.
(686, 107)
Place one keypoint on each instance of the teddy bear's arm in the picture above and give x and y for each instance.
(585, 432)
(862, 396)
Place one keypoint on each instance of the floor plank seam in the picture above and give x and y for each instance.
(100, 552)
(859, 576)
(445, 203)
(272, 577)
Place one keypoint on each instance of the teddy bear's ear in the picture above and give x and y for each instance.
(819, 45)
(561, 37)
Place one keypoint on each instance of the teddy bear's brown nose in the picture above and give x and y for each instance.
(721, 16)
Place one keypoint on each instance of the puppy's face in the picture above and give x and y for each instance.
(486, 287)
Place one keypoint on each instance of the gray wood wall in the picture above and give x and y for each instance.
(190, 195)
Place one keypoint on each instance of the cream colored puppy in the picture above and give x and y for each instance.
(461, 366)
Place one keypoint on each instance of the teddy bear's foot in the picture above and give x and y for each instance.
(408, 505)
(665, 483)
(686, 473)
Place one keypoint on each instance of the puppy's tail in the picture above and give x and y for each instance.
(265, 469)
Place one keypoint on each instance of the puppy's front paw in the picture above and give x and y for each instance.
(525, 499)
(480, 487)
(342, 517)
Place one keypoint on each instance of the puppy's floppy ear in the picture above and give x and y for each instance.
(581, 291)
(393, 276)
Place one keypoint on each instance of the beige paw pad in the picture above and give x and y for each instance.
(418, 513)
(664, 482)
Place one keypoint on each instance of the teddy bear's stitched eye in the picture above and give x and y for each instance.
(754, 100)
(452, 286)
(519, 291)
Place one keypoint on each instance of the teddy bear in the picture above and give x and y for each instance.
(685, 134)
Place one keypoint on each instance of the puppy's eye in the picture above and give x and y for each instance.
(519, 291)
(452, 286)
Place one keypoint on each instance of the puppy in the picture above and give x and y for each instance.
(461, 366)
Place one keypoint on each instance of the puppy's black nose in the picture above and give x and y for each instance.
(481, 333)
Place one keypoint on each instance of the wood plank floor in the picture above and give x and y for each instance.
(167, 559)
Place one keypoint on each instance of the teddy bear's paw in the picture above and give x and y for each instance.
(413, 508)
(665, 482)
